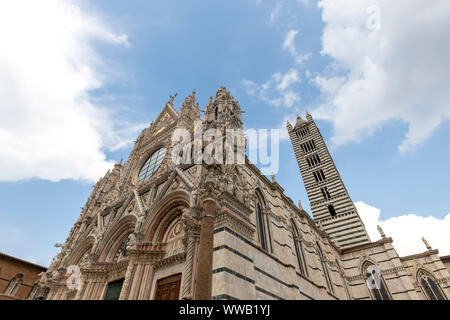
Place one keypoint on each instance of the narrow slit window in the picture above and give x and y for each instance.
(319, 175)
(326, 194)
(298, 249)
(261, 227)
(332, 210)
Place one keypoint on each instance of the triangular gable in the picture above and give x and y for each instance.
(167, 117)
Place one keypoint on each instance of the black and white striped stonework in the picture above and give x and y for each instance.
(331, 206)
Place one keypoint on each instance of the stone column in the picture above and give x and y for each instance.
(128, 275)
(82, 288)
(192, 241)
(203, 289)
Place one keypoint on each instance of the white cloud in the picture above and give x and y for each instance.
(31, 259)
(408, 230)
(277, 91)
(50, 128)
(275, 13)
(286, 80)
(398, 71)
(290, 46)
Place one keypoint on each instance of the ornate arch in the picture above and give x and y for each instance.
(113, 240)
(84, 247)
(167, 209)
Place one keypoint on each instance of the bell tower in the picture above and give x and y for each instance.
(332, 208)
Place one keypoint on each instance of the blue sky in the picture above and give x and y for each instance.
(387, 127)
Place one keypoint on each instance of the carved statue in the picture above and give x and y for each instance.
(53, 263)
(85, 261)
(131, 207)
(66, 256)
(54, 275)
(193, 200)
(43, 277)
(139, 222)
(426, 243)
(381, 232)
(118, 255)
(230, 184)
(172, 98)
(97, 238)
(221, 182)
(132, 242)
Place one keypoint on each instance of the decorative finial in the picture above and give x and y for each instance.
(210, 100)
(172, 98)
(381, 232)
(273, 178)
(308, 116)
(426, 243)
(300, 205)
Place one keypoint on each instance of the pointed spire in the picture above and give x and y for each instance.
(288, 125)
(300, 205)
(308, 116)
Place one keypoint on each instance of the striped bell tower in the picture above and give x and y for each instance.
(332, 208)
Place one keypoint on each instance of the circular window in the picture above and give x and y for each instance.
(152, 164)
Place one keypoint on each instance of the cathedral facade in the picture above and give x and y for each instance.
(156, 229)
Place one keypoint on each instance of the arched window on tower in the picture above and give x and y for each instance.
(429, 286)
(299, 250)
(375, 283)
(325, 268)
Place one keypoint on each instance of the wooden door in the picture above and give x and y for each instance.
(168, 288)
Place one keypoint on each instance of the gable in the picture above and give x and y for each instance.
(166, 118)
